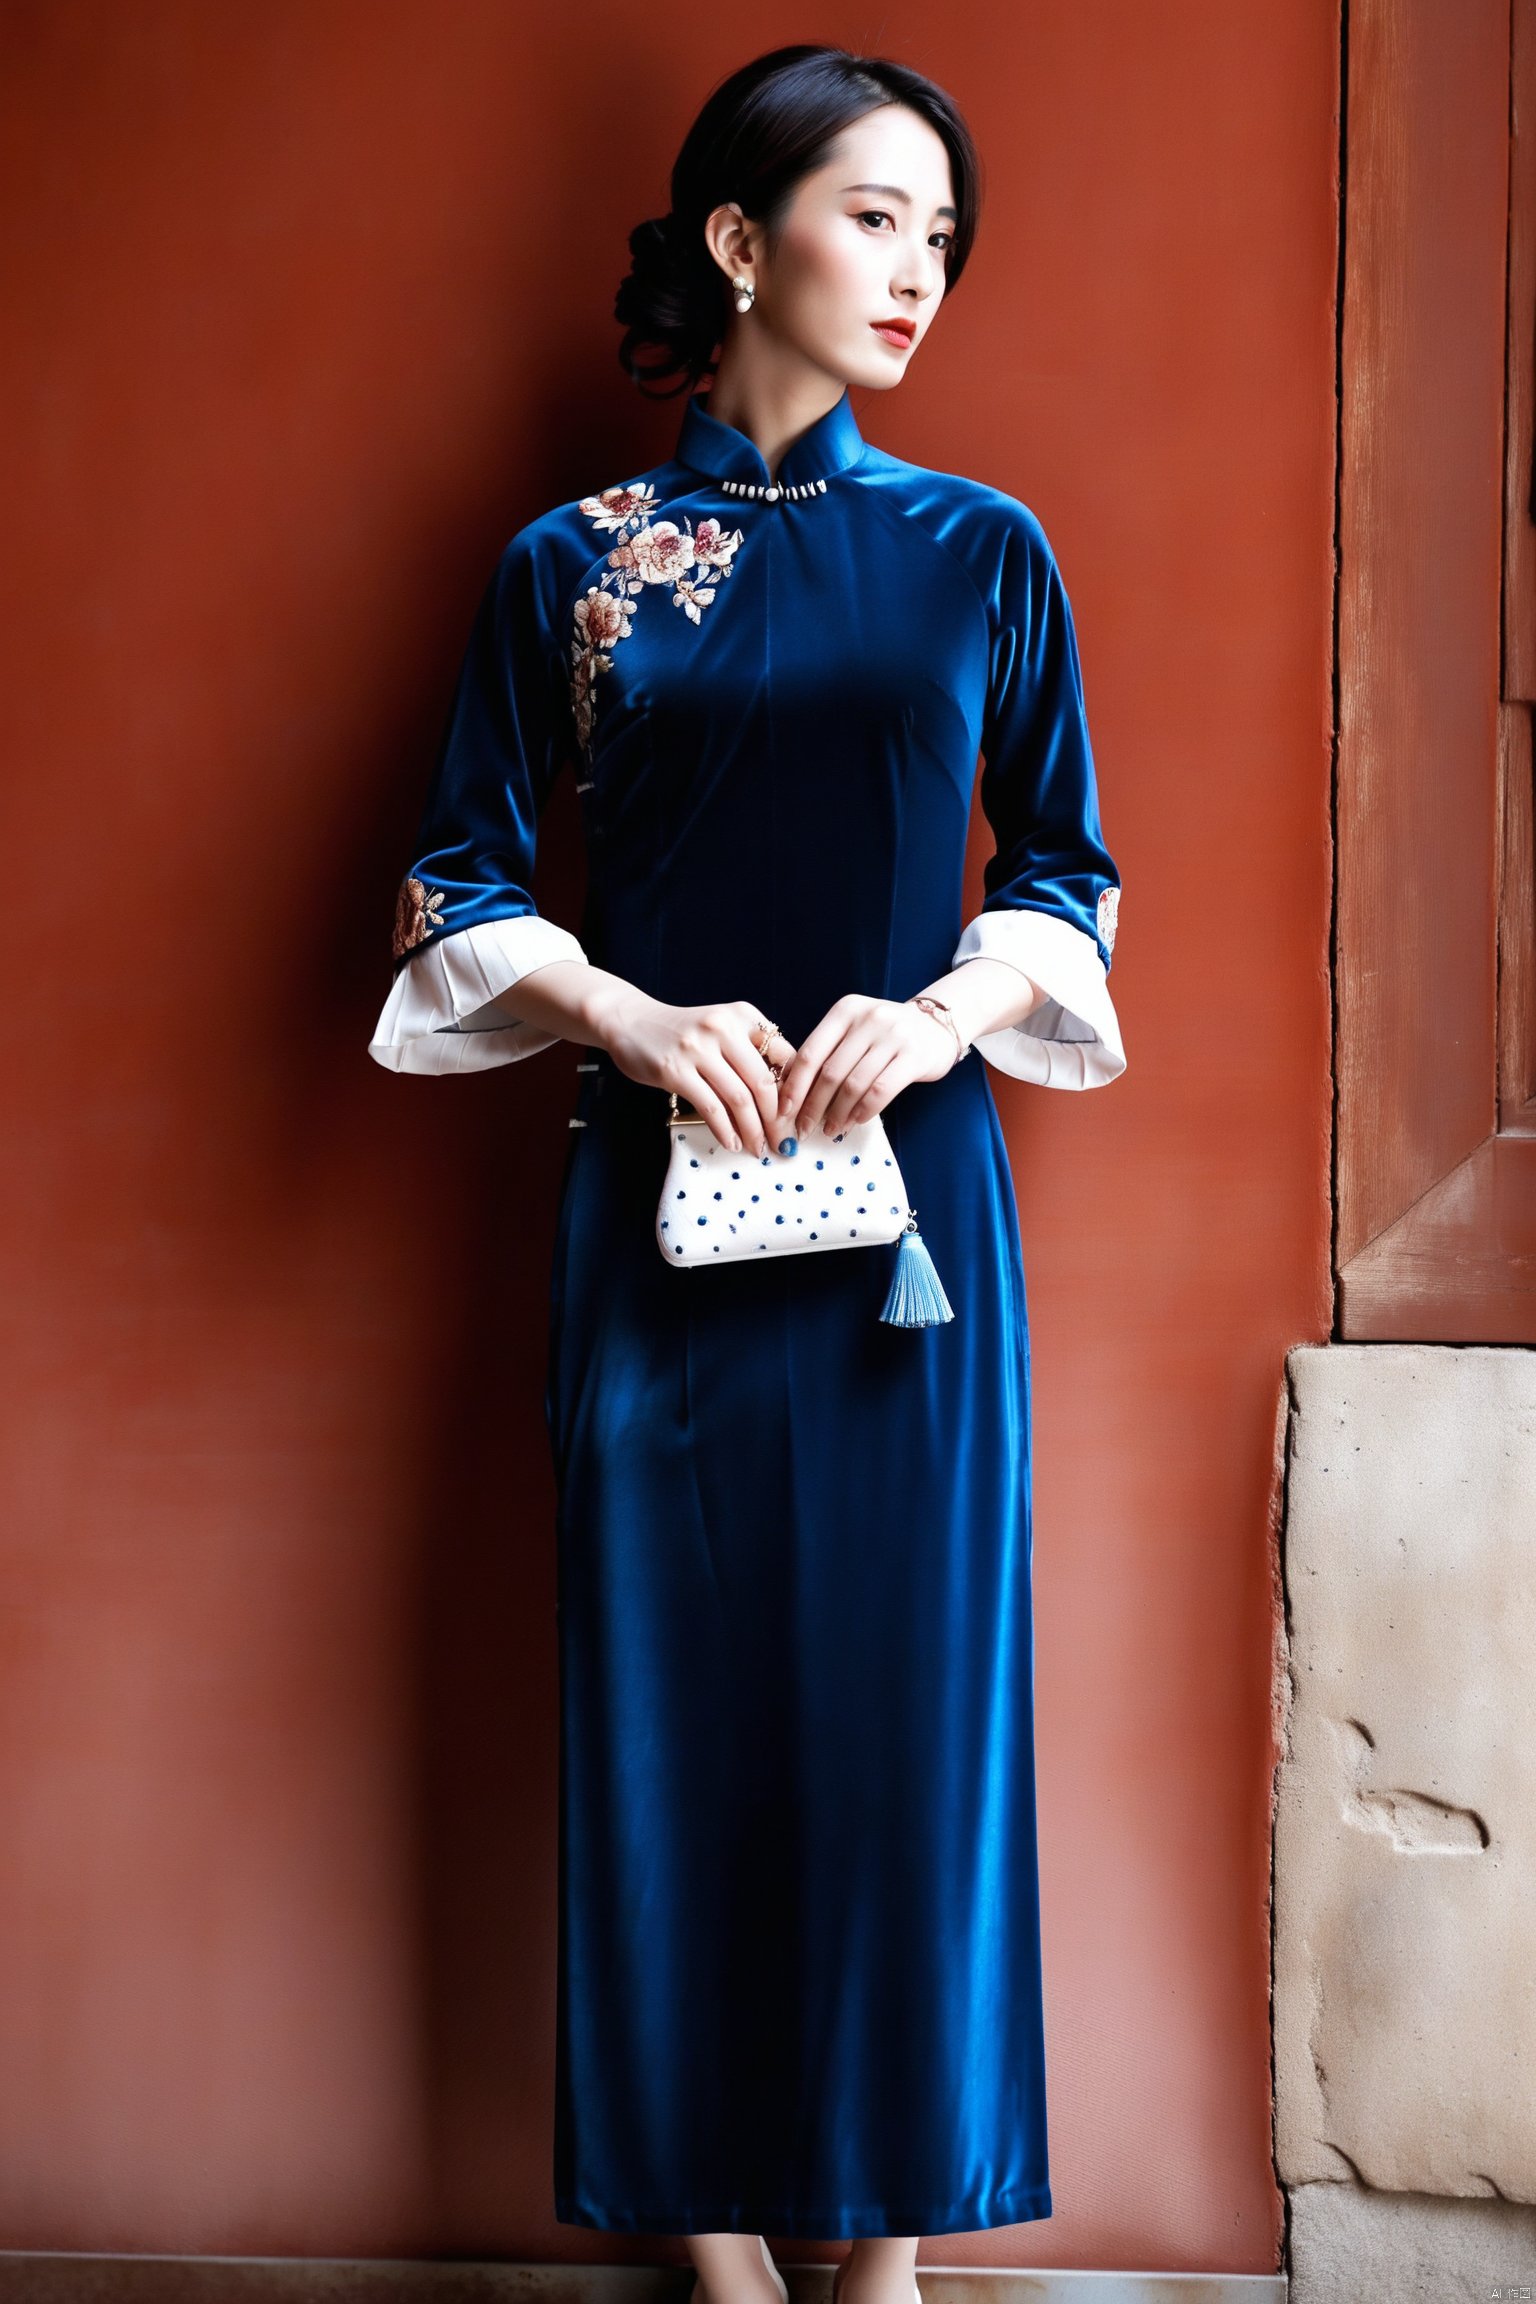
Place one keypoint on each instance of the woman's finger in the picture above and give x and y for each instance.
(715, 1067)
(817, 1105)
(901, 1070)
(753, 1054)
(694, 1089)
(860, 1076)
(769, 1051)
(807, 1061)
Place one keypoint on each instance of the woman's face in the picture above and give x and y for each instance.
(865, 240)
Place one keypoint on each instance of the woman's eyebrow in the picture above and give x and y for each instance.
(895, 192)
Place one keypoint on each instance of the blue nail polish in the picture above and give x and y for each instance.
(787, 1144)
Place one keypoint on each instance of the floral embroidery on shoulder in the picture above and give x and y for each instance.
(616, 507)
(1108, 915)
(691, 559)
(417, 915)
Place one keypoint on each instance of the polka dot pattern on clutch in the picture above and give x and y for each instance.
(782, 1216)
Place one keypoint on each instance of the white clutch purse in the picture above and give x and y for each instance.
(842, 1191)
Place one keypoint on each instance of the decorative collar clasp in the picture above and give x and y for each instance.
(770, 491)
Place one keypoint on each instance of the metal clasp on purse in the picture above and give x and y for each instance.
(679, 1117)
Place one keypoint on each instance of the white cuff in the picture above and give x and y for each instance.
(1072, 1039)
(441, 1014)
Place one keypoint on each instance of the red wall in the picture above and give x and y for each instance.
(308, 309)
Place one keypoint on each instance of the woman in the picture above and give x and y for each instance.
(799, 1962)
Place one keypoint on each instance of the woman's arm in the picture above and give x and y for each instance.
(985, 995)
(708, 1055)
(705, 1050)
(573, 1000)
(1051, 888)
(865, 1050)
(570, 1000)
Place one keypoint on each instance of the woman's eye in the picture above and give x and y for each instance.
(884, 216)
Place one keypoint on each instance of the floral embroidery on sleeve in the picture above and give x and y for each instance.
(1108, 915)
(417, 915)
(690, 559)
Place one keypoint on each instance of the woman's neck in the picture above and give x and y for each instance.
(771, 397)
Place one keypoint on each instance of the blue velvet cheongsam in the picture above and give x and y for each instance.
(799, 1960)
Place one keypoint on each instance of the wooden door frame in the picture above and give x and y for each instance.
(1435, 944)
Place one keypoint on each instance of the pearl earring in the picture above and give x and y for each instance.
(745, 292)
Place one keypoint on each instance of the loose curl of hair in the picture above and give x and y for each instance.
(760, 131)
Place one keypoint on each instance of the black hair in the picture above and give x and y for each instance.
(760, 131)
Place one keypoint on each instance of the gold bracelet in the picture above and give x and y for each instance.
(933, 1006)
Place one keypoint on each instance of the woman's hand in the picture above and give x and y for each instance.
(709, 1056)
(861, 1054)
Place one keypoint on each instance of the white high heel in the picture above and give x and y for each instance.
(774, 2274)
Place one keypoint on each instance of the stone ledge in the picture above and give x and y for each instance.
(50, 2278)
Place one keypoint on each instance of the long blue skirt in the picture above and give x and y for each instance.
(799, 1984)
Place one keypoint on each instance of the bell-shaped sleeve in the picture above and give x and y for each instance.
(466, 926)
(1051, 889)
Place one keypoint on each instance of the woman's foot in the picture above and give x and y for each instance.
(877, 2272)
(734, 2268)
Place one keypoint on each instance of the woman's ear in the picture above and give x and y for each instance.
(728, 235)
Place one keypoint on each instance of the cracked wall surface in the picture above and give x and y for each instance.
(1405, 1848)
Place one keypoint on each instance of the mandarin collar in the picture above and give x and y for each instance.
(827, 447)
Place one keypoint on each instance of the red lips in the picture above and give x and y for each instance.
(906, 329)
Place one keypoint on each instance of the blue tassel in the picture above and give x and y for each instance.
(916, 1297)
